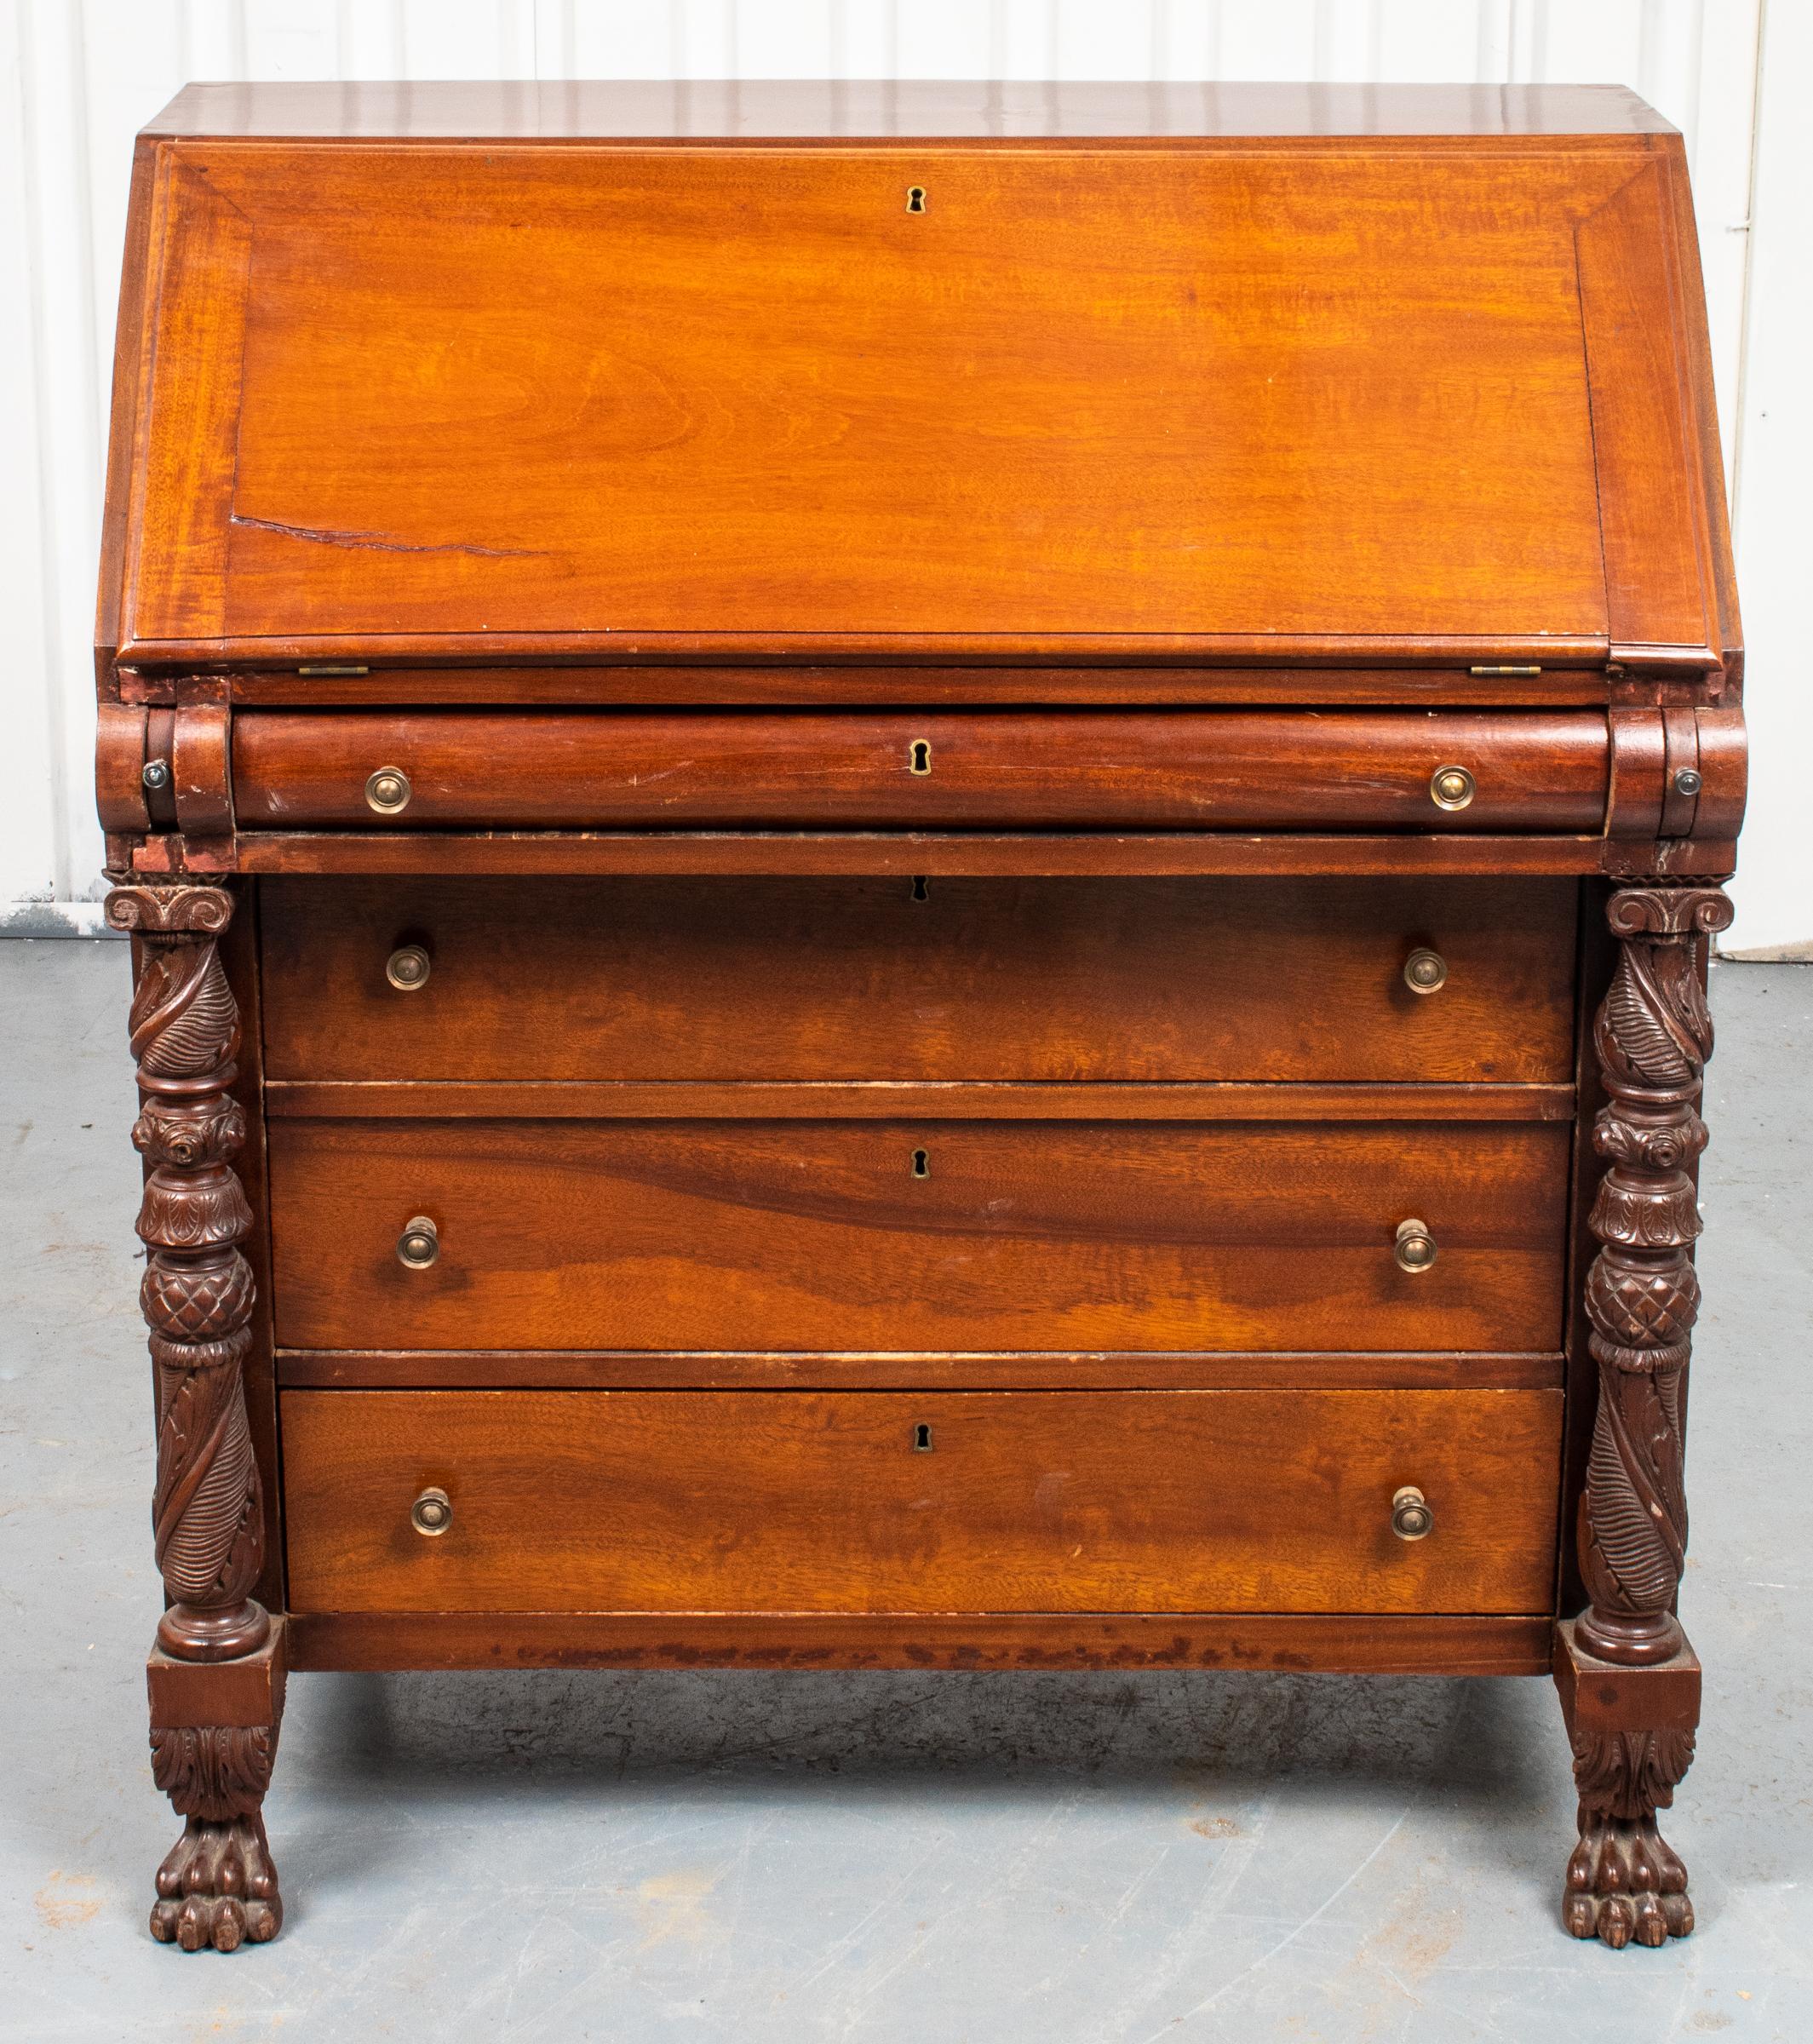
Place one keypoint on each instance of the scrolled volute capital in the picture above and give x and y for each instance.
(179, 912)
(1666, 913)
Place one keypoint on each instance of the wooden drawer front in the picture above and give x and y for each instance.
(1271, 1500)
(981, 979)
(1196, 770)
(816, 1235)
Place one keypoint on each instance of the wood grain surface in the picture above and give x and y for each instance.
(1077, 981)
(1376, 1643)
(1197, 770)
(1019, 1370)
(1025, 1502)
(697, 391)
(820, 1235)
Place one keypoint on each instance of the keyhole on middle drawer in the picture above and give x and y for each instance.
(920, 758)
(922, 1439)
(921, 1164)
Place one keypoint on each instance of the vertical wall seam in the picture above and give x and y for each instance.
(1741, 389)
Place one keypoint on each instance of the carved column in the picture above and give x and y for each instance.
(217, 1674)
(1653, 1036)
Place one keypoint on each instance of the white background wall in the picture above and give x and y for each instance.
(78, 76)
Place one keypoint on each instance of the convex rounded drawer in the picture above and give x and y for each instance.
(1180, 980)
(882, 1235)
(1276, 1500)
(1521, 770)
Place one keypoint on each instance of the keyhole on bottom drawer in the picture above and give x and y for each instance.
(922, 1439)
(921, 1164)
(920, 757)
(920, 891)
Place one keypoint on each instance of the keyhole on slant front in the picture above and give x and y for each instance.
(921, 1164)
(915, 199)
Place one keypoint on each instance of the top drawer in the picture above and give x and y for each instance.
(1528, 771)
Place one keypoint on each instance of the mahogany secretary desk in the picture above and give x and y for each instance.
(919, 878)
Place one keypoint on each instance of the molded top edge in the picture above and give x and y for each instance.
(861, 109)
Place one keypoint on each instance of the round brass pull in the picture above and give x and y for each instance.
(387, 791)
(1411, 1517)
(1415, 1248)
(432, 1513)
(419, 1245)
(408, 968)
(1450, 787)
(1425, 972)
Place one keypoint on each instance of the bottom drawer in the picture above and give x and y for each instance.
(1038, 1500)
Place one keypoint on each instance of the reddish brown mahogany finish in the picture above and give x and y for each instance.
(1035, 1500)
(900, 866)
(1199, 770)
(1653, 1036)
(217, 1886)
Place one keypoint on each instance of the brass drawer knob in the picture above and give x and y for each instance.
(432, 1513)
(409, 966)
(387, 791)
(1411, 1517)
(419, 1245)
(1425, 972)
(1415, 1247)
(1451, 787)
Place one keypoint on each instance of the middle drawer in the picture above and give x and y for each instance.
(895, 1236)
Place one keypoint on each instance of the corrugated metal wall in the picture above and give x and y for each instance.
(82, 74)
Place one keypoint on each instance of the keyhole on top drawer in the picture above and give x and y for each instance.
(920, 891)
(920, 757)
(922, 1439)
(915, 199)
(921, 1164)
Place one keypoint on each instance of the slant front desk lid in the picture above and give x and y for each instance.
(1270, 373)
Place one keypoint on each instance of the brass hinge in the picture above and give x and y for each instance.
(333, 670)
(1490, 674)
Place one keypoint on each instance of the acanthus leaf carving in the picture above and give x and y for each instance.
(1652, 1035)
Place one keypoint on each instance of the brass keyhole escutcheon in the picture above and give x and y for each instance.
(408, 968)
(432, 1513)
(1425, 972)
(1451, 787)
(915, 199)
(921, 1164)
(1411, 1517)
(387, 791)
(1415, 1247)
(419, 1245)
(922, 1439)
(918, 756)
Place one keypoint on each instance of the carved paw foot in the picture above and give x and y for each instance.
(1624, 1882)
(218, 1887)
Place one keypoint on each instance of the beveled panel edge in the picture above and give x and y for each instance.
(1027, 1370)
(1008, 649)
(1423, 1643)
(1293, 1100)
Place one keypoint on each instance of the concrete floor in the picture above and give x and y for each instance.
(955, 1860)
